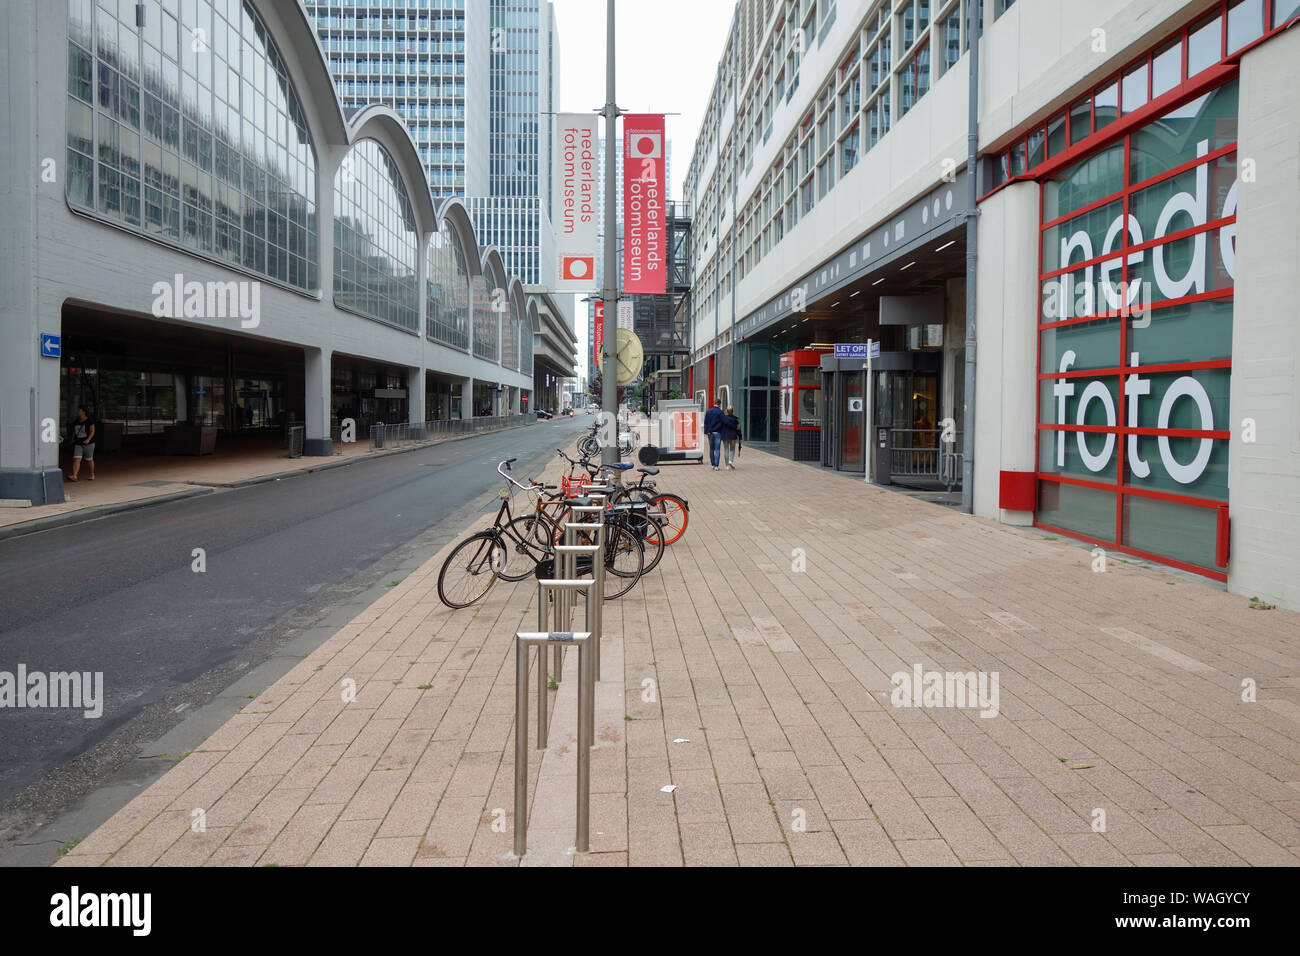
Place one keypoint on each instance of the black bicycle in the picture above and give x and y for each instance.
(513, 547)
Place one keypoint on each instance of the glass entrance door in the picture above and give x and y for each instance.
(851, 412)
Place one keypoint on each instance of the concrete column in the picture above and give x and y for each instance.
(1264, 475)
(414, 394)
(1006, 406)
(467, 408)
(29, 384)
(316, 376)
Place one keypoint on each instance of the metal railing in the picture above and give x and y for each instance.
(920, 453)
(406, 433)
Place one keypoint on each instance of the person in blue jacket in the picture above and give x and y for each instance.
(713, 422)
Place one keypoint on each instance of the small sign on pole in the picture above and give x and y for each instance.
(50, 345)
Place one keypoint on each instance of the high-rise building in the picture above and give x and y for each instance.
(476, 83)
(429, 62)
(513, 213)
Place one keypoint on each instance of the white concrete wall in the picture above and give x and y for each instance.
(1006, 294)
(1264, 477)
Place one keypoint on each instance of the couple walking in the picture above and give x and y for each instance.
(723, 428)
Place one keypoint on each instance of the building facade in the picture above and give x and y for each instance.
(203, 237)
(429, 61)
(1134, 284)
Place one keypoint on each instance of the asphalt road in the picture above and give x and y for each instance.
(119, 595)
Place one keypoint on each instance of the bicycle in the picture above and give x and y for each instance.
(476, 563)
(589, 444)
(668, 511)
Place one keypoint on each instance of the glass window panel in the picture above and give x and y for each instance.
(1284, 10)
(1056, 135)
(1166, 69)
(1246, 23)
(1178, 135)
(1081, 120)
(1086, 511)
(1204, 45)
(1087, 401)
(1106, 105)
(1036, 154)
(1182, 532)
(1095, 177)
(1135, 88)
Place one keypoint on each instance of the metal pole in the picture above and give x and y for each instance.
(543, 697)
(521, 740)
(582, 839)
(609, 292)
(972, 234)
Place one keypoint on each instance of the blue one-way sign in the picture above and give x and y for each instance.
(49, 345)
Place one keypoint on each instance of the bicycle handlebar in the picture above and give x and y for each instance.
(506, 464)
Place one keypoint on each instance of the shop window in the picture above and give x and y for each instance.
(1166, 69)
(1081, 120)
(1106, 105)
(1134, 95)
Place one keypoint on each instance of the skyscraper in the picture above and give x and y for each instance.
(476, 81)
(429, 62)
(513, 213)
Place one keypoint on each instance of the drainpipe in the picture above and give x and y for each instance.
(972, 235)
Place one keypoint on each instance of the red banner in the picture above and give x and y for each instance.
(598, 336)
(645, 241)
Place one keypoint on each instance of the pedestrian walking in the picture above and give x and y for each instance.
(731, 437)
(713, 428)
(83, 443)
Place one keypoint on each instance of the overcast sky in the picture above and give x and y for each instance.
(667, 58)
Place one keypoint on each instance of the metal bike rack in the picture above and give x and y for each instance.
(548, 589)
(523, 640)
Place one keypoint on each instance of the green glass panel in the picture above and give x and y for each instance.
(1182, 532)
(1084, 510)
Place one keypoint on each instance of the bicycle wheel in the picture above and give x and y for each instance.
(471, 568)
(672, 513)
(588, 447)
(523, 547)
(624, 561)
(653, 540)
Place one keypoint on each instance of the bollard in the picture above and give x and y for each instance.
(523, 639)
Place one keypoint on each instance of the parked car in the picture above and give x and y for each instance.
(543, 414)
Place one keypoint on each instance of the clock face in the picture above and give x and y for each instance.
(628, 356)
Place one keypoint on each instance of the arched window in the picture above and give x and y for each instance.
(486, 325)
(447, 291)
(188, 129)
(376, 244)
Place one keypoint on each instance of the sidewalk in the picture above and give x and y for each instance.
(126, 479)
(752, 671)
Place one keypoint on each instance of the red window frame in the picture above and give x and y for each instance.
(1120, 430)
(1188, 88)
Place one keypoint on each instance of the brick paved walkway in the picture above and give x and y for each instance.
(756, 669)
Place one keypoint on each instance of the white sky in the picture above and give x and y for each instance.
(666, 58)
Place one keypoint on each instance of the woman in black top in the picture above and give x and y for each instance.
(731, 437)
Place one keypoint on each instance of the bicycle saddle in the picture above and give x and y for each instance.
(620, 465)
(649, 470)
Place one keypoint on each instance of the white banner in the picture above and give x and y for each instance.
(574, 200)
(625, 313)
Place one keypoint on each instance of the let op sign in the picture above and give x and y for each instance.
(645, 242)
(574, 201)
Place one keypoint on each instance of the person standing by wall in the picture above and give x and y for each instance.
(83, 443)
(731, 437)
(713, 428)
